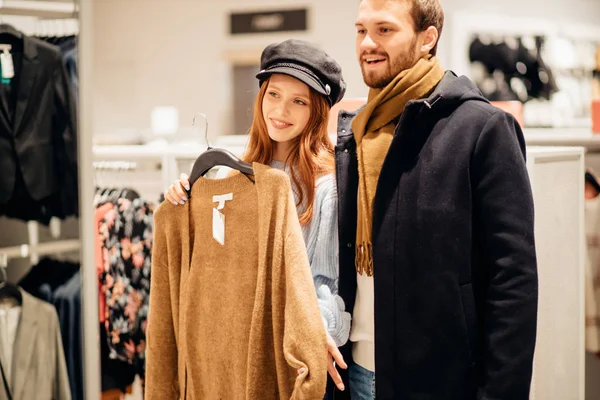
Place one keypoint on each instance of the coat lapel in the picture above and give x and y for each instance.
(5, 111)
(5, 119)
(24, 345)
(27, 77)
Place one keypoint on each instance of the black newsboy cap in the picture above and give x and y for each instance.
(306, 62)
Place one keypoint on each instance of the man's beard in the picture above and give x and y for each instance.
(379, 81)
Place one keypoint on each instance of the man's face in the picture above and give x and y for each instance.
(386, 42)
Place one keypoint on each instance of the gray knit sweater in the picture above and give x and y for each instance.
(321, 238)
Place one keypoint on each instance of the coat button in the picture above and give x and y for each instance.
(343, 131)
(345, 150)
(349, 244)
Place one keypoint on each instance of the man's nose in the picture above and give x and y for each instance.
(368, 43)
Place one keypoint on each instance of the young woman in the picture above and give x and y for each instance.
(299, 83)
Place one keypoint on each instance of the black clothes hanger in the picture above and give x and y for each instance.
(214, 157)
(10, 30)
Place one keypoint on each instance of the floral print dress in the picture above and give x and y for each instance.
(127, 231)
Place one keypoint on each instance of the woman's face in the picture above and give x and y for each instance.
(286, 108)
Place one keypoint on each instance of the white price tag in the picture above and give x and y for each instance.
(219, 219)
(219, 226)
(222, 199)
(8, 69)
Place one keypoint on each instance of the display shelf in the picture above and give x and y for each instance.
(582, 137)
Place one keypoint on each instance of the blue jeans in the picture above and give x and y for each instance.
(362, 383)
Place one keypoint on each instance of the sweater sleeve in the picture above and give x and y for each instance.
(161, 353)
(304, 339)
(324, 263)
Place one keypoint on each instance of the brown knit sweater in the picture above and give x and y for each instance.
(234, 321)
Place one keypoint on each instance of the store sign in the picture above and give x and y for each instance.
(268, 21)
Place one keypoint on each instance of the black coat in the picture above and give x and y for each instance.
(38, 148)
(455, 270)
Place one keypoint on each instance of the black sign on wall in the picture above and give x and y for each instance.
(268, 21)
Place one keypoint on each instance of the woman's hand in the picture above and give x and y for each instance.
(175, 193)
(333, 357)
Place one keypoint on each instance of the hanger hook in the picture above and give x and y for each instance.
(205, 127)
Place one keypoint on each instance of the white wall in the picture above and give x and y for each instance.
(151, 52)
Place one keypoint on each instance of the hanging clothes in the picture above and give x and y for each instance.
(127, 232)
(59, 283)
(38, 369)
(124, 225)
(100, 254)
(233, 309)
(67, 301)
(10, 314)
(38, 146)
(68, 48)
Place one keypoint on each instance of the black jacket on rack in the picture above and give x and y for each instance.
(38, 149)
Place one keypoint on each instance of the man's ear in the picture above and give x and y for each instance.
(429, 38)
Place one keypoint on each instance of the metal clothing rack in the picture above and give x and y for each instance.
(117, 166)
(41, 9)
(39, 12)
(38, 250)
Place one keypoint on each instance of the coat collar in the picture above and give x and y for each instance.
(30, 51)
(27, 78)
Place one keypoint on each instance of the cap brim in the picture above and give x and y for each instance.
(301, 76)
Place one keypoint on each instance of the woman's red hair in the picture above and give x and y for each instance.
(312, 154)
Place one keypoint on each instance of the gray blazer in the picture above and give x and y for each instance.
(39, 370)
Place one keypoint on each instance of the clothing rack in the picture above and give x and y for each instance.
(115, 166)
(60, 27)
(34, 18)
(171, 157)
(37, 250)
(39, 9)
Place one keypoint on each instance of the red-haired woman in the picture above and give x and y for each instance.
(299, 83)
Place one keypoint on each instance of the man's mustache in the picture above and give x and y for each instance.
(371, 54)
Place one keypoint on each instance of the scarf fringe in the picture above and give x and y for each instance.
(364, 259)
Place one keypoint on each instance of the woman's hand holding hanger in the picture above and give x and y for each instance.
(176, 192)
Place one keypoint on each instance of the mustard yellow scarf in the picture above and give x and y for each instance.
(373, 130)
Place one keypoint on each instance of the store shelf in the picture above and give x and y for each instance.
(40, 9)
(562, 137)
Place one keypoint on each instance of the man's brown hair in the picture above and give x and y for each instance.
(426, 13)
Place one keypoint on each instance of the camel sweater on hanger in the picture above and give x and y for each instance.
(233, 320)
